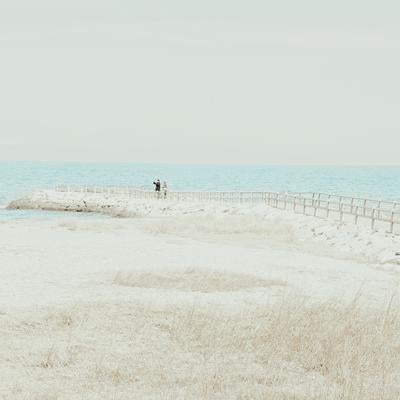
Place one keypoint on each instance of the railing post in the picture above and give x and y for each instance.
(315, 205)
(328, 204)
(391, 221)
(373, 218)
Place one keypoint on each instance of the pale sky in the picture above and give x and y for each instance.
(211, 81)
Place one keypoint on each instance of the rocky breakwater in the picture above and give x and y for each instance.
(74, 202)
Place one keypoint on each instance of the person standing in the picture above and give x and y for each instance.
(157, 187)
(165, 189)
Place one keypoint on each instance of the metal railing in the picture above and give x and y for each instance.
(315, 204)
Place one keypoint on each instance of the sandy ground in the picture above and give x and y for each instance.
(212, 304)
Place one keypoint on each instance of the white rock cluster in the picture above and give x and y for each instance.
(347, 238)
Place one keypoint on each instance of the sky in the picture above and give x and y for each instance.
(211, 81)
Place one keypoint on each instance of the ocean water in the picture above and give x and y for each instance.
(19, 178)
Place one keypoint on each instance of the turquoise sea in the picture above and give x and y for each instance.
(19, 178)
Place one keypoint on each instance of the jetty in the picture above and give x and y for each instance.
(378, 214)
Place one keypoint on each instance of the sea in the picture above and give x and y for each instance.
(18, 178)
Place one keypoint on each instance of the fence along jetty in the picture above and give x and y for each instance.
(379, 214)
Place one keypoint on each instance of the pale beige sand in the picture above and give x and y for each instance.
(209, 306)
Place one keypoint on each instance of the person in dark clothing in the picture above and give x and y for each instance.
(157, 184)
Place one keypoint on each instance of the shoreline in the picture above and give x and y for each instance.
(345, 238)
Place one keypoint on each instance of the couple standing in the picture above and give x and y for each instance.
(158, 188)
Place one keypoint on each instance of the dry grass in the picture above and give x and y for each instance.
(122, 351)
(193, 280)
(193, 226)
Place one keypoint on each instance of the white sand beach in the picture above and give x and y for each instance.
(162, 300)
